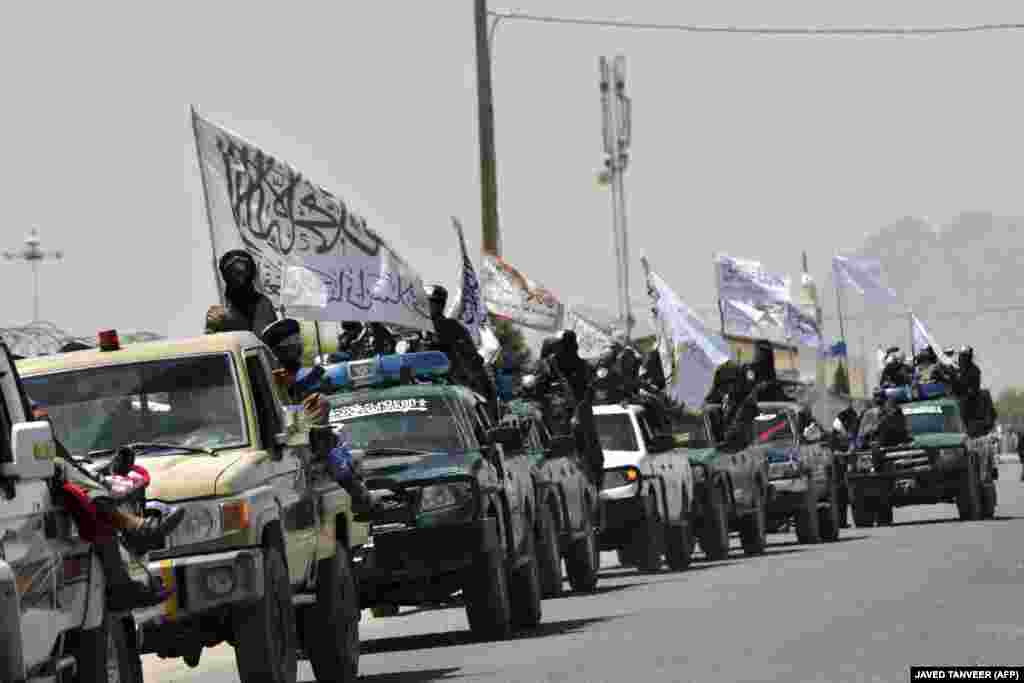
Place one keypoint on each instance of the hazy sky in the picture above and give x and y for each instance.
(755, 146)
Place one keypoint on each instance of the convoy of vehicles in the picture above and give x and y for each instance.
(648, 490)
(457, 495)
(946, 461)
(262, 559)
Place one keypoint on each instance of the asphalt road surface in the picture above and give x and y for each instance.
(928, 591)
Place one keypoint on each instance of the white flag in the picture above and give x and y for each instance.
(490, 345)
(592, 338)
(801, 327)
(865, 276)
(509, 294)
(923, 338)
(741, 317)
(747, 281)
(316, 255)
(468, 307)
(691, 351)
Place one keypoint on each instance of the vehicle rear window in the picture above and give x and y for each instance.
(422, 424)
(616, 432)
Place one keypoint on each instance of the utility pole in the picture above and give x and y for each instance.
(485, 114)
(617, 127)
(33, 254)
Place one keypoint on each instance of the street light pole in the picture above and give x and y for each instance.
(617, 127)
(33, 254)
(485, 115)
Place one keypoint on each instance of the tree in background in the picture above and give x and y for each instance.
(513, 344)
(646, 344)
(841, 381)
(1010, 404)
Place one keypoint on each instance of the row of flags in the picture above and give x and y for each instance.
(325, 259)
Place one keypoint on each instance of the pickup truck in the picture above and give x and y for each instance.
(804, 476)
(455, 512)
(568, 512)
(53, 616)
(262, 559)
(648, 491)
(945, 461)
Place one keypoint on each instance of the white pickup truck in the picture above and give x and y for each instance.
(54, 625)
(647, 492)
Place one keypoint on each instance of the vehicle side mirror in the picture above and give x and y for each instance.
(813, 434)
(561, 446)
(34, 450)
(510, 438)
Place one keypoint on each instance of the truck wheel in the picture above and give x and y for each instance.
(883, 511)
(989, 499)
(524, 585)
(969, 501)
(754, 527)
(549, 556)
(266, 649)
(679, 539)
(807, 529)
(102, 655)
(584, 561)
(648, 538)
(714, 532)
(487, 597)
(830, 518)
(844, 506)
(332, 624)
(863, 512)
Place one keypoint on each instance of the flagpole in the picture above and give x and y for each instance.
(209, 213)
(316, 327)
(910, 320)
(718, 290)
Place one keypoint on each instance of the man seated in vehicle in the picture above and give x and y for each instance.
(928, 369)
(896, 373)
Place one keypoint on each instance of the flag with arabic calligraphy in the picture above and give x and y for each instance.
(591, 337)
(318, 256)
(510, 295)
(467, 306)
(691, 352)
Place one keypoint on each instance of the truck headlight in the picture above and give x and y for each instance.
(201, 523)
(602, 373)
(443, 496)
(622, 476)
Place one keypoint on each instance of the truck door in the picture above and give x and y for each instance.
(287, 468)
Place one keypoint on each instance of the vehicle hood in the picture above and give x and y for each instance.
(407, 468)
(940, 440)
(613, 459)
(775, 454)
(703, 456)
(187, 475)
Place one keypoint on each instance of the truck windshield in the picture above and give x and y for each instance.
(772, 427)
(616, 432)
(932, 419)
(191, 402)
(420, 424)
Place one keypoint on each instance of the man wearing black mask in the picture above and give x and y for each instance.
(761, 373)
(246, 309)
(467, 366)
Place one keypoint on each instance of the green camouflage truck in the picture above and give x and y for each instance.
(455, 511)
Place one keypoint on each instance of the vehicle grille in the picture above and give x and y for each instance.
(394, 508)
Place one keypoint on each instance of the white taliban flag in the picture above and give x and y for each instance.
(864, 275)
(690, 351)
(592, 338)
(747, 281)
(923, 339)
(318, 256)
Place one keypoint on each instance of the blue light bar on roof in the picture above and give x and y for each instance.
(385, 370)
(916, 392)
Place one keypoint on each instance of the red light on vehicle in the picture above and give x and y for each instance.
(109, 341)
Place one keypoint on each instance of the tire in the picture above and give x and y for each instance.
(844, 506)
(525, 588)
(679, 541)
(626, 559)
(863, 511)
(102, 655)
(266, 649)
(648, 538)
(714, 532)
(883, 511)
(989, 500)
(486, 593)
(754, 527)
(584, 561)
(968, 503)
(332, 624)
(807, 529)
(549, 556)
(830, 518)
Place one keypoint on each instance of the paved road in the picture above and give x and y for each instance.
(929, 590)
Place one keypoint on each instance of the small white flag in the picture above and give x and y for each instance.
(923, 339)
(747, 281)
(864, 275)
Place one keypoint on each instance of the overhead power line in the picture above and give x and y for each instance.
(865, 31)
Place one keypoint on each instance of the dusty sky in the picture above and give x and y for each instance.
(755, 146)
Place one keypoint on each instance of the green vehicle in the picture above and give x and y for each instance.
(946, 461)
(731, 489)
(456, 509)
(567, 503)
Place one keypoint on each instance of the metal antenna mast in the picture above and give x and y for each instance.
(617, 128)
(33, 254)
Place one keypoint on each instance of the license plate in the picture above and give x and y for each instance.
(357, 371)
